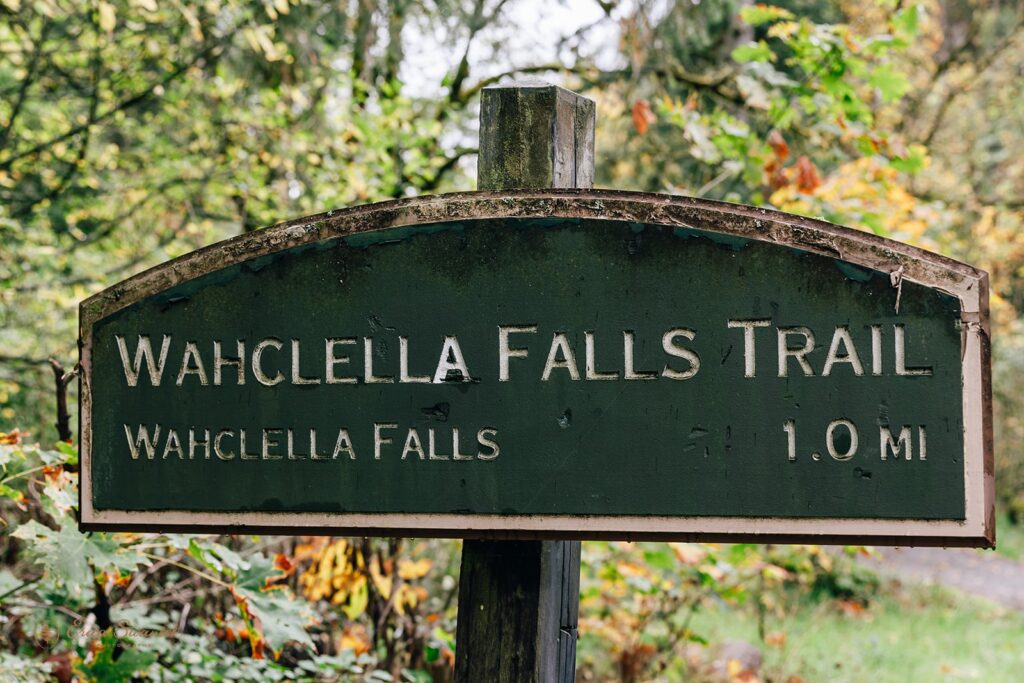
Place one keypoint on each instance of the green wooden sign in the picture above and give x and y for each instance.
(544, 364)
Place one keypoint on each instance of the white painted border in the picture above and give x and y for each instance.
(969, 285)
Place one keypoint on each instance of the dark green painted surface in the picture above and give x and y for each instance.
(710, 445)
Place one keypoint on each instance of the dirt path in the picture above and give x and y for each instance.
(984, 574)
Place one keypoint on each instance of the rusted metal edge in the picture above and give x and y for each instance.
(968, 284)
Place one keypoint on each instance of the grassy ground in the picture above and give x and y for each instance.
(908, 634)
(1009, 537)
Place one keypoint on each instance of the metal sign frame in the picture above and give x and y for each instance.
(969, 285)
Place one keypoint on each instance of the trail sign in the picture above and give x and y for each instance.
(532, 364)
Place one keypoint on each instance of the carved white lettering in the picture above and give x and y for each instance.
(876, 350)
(749, 349)
(257, 366)
(451, 362)
(193, 442)
(629, 360)
(270, 441)
(143, 354)
(297, 378)
(343, 445)
(901, 356)
(368, 375)
(413, 445)
(432, 453)
(560, 345)
(591, 371)
(379, 439)
(786, 352)
(142, 440)
(192, 354)
(246, 455)
(403, 365)
(456, 454)
(505, 351)
(842, 336)
(830, 441)
(290, 450)
(333, 360)
(238, 362)
(486, 438)
(904, 444)
(173, 445)
(218, 449)
(672, 349)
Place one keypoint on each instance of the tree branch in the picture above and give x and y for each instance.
(61, 379)
(24, 360)
(123, 105)
(980, 68)
(476, 23)
(24, 86)
(432, 183)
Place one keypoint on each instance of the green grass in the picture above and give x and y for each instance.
(907, 634)
(1009, 537)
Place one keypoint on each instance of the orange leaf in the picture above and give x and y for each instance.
(285, 564)
(643, 117)
(775, 174)
(12, 438)
(252, 625)
(807, 178)
(52, 473)
(851, 608)
(355, 638)
(778, 145)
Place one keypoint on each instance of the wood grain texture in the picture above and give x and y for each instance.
(529, 137)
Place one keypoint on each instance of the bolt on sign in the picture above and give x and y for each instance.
(533, 364)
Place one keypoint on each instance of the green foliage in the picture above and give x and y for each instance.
(268, 608)
(84, 598)
(640, 603)
(105, 668)
(907, 634)
(134, 131)
(140, 132)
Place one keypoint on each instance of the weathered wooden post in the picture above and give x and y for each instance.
(519, 600)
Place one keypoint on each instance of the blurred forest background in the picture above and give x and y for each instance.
(133, 131)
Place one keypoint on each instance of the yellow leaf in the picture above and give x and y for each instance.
(359, 598)
(355, 638)
(409, 570)
(783, 29)
(381, 582)
(107, 16)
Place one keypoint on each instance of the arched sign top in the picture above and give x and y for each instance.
(967, 283)
(544, 364)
